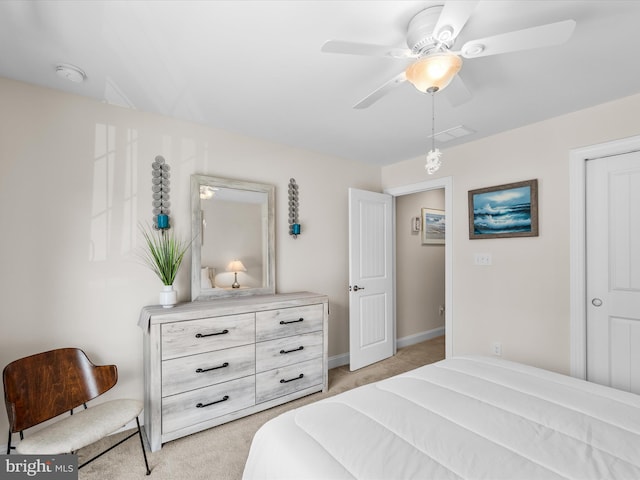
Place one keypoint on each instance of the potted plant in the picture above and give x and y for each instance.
(163, 254)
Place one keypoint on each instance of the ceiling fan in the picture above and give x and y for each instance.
(431, 35)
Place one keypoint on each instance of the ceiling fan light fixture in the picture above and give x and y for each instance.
(433, 72)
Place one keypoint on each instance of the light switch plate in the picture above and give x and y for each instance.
(482, 259)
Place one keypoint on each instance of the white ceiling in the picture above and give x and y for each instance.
(255, 67)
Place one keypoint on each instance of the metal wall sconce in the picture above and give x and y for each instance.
(416, 225)
(160, 193)
(294, 226)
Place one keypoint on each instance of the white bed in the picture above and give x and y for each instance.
(467, 417)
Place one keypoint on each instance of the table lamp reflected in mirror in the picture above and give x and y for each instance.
(235, 266)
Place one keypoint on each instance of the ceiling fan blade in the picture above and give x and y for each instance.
(355, 48)
(453, 18)
(535, 37)
(457, 92)
(381, 91)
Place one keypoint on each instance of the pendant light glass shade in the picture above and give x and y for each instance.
(434, 71)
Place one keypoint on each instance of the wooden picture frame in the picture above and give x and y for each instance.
(433, 226)
(504, 211)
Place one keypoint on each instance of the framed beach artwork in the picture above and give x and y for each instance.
(504, 211)
(433, 226)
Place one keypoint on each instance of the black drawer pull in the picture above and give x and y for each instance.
(292, 379)
(202, 370)
(223, 399)
(294, 350)
(282, 322)
(202, 335)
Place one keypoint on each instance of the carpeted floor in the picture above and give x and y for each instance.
(220, 453)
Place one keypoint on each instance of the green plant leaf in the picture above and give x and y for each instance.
(164, 253)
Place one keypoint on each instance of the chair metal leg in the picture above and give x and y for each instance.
(9, 446)
(144, 453)
(120, 442)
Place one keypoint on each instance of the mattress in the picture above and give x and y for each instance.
(462, 418)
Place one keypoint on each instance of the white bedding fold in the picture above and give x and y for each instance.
(467, 417)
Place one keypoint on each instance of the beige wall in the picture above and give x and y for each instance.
(419, 269)
(75, 179)
(522, 300)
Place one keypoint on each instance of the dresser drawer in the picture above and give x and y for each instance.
(189, 408)
(285, 322)
(207, 334)
(287, 351)
(197, 371)
(282, 381)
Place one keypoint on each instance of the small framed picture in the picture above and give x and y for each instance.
(504, 211)
(433, 226)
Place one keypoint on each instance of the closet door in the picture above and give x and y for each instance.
(613, 271)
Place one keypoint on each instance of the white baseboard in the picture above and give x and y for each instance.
(343, 358)
(419, 337)
(338, 360)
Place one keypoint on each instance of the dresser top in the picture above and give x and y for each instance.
(156, 314)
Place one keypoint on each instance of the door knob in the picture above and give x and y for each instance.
(596, 302)
(356, 288)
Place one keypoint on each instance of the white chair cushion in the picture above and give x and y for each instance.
(80, 429)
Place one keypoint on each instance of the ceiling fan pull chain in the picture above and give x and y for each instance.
(433, 157)
(433, 120)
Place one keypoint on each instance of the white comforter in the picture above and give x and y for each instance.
(466, 417)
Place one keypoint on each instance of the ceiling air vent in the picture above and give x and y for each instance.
(452, 133)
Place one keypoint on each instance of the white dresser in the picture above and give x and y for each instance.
(207, 363)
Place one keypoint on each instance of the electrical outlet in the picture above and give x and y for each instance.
(496, 347)
(482, 259)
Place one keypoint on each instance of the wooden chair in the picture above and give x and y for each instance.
(45, 385)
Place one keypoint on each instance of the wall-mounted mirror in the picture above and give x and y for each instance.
(232, 224)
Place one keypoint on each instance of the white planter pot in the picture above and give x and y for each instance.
(168, 296)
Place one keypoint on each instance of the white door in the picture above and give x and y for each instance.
(613, 271)
(371, 309)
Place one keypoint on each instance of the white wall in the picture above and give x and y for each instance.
(75, 180)
(522, 300)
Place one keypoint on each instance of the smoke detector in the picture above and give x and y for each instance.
(71, 72)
